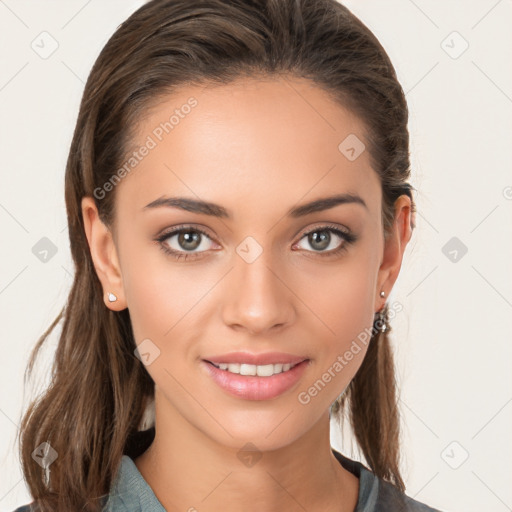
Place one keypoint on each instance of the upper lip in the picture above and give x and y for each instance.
(256, 359)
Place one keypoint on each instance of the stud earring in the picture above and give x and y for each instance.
(111, 297)
(379, 323)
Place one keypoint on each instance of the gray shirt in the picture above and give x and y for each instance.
(131, 493)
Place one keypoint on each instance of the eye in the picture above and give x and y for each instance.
(328, 240)
(184, 242)
(189, 242)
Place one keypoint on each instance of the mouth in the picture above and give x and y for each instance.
(265, 370)
(256, 381)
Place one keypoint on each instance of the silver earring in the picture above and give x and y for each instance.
(111, 297)
(379, 324)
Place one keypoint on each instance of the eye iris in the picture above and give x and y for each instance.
(189, 237)
(325, 239)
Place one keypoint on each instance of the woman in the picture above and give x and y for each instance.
(238, 208)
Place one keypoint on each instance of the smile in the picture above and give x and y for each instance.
(266, 370)
(255, 382)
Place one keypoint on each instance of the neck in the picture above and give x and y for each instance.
(187, 470)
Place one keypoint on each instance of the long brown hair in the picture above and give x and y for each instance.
(99, 390)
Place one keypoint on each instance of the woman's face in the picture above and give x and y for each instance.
(244, 276)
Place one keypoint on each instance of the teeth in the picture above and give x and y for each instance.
(266, 370)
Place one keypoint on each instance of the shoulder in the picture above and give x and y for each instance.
(26, 508)
(392, 499)
(33, 507)
(377, 495)
(124, 493)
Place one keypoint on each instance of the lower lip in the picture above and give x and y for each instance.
(252, 387)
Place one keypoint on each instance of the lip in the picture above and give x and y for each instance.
(252, 387)
(257, 359)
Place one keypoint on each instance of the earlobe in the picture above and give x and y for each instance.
(394, 247)
(104, 255)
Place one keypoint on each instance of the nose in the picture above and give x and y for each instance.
(257, 296)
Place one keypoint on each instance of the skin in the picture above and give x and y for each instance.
(258, 148)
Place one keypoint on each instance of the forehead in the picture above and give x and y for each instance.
(278, 140)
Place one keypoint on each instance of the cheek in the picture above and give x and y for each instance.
(166, 300)
(154, 294)
(344, 305)
(344, 298)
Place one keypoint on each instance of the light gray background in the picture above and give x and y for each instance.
(452, 340)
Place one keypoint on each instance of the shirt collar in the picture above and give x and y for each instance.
(131, 492)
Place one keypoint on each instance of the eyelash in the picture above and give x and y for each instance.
(349, 238)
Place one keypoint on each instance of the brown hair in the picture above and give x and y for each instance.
(99, 390)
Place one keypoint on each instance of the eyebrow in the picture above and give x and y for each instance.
(215, 210)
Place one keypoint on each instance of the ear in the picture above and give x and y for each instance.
(394, 248)
(104, 255)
